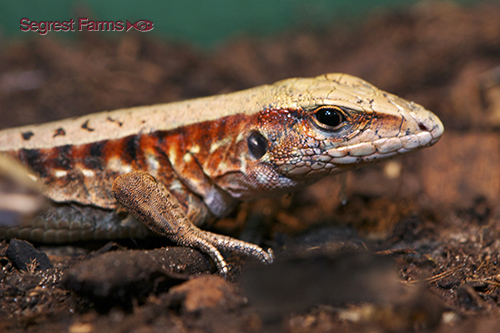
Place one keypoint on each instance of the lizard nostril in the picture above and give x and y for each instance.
(423, 127)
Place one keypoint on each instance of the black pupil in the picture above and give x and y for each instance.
(330, 117)
(257, 145)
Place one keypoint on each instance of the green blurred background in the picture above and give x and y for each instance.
(200, 22)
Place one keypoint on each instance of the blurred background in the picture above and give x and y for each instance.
(202, 23)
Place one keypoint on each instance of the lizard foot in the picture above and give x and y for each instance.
(152, 204)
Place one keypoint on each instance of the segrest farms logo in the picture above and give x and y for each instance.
(83, 24)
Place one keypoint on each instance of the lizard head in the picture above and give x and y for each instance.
(325, 125)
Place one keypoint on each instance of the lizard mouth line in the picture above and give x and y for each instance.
(365, 152)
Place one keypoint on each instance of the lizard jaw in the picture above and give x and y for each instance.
(413, 128)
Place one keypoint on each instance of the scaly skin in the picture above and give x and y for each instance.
(207, 154)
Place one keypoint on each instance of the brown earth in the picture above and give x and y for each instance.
(415, 248)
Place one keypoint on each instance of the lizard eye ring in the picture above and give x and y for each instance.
(257, 144)
(329, 118)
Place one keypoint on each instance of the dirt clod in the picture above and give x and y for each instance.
(25, 257)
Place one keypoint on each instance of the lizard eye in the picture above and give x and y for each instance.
(329, 117)
(257, 144)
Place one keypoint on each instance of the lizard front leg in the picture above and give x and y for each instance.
(152, 204)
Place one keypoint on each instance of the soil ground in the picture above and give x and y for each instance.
(414, 248)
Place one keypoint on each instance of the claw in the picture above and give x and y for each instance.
(270, 256)
(224, 271)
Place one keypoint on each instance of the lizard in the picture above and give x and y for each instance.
(175, 166)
